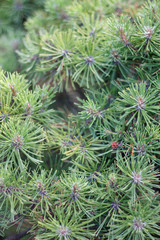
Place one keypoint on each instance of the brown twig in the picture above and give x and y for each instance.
(18, 235)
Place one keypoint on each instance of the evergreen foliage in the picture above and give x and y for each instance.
(87, 168)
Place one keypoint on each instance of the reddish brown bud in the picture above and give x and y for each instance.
(115, 144)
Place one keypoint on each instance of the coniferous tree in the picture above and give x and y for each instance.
(79, 126)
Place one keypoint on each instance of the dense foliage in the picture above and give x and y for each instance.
(80, 114)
